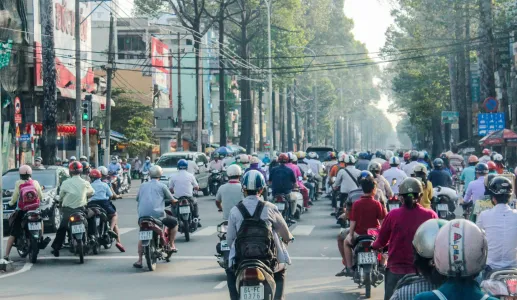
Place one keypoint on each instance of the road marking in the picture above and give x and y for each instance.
(173, 257)
(303, 230)
(120, 230)
(206, 231)
(25, 268)
(221, 285)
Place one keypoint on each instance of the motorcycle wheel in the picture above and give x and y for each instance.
(186, 230)
(33, 250)
(96, 247)
(79, 249)
(368, 284)
(206, 191)
(22, 247)
(150, 257)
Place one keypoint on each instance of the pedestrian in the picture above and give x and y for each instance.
(137, 164)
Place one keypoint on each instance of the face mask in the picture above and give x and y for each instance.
(147, 161)
(113, 161)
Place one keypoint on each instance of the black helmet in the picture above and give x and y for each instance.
(500, 186)
(438, 163)
(86, 167)
(482, 168)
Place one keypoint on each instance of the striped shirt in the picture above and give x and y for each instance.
(411, 285)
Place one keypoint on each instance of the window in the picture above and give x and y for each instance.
(130, 43)
(189, 42)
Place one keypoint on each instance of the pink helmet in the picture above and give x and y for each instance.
(25, 170)
(460, 249)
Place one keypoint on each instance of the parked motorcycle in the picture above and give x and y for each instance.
(255, 280)
(222, 248)
(501, 284)
(216, 180)
(183, 212)
(31, 240)
(444, 202)
(155, 241)
(103, 235)
(77, 230)
(367, 260)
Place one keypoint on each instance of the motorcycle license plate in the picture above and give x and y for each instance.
(224, 246)
(146, 235)
(79, 228)
(184, 209)
(255, 292)
(443, 207)
(281, 206)
(393, 206)
(366, 258)
(97, 221)
(35, 226)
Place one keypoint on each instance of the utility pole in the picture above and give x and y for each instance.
(272, 120)
(261, 137)
(170, 80)
(270, 82)
(296, 123)
(289, 98)
(315, 112)
(222, 84)
(78, 121)
(199, 101)
(109, 75)
(179, 141)
(282, 120)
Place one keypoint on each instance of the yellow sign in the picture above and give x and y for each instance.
(17, 131)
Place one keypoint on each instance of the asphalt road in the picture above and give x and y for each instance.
(193, 272)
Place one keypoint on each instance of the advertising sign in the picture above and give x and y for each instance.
(450, 117)
(488, 123)
(160, 64)
(64, 44)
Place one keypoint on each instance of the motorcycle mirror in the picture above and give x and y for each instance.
(200, 164)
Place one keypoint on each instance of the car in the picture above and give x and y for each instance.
(322, 151)
(50, 180)
(169, 162)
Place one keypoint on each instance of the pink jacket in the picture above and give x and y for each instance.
(297, 173)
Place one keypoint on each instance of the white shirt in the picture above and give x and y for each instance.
(500, 226)
(409, 168)
(315, 165)
(216, 165)
(484, 159)
(346, 182)
(397, 174)
(183, 183)
(192, 167)
(228, 161)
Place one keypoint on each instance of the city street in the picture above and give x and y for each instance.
(193, 272)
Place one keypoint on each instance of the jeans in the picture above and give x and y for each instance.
(390, 282)
(310, 187)
(63, 226)
(231, 279)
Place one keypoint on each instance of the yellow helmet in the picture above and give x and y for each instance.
(301, 154)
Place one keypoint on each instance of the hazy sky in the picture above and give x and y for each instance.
(371, 19)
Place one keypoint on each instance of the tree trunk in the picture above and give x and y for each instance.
(486, 51)
(222, 84)
(296, 118)
(468, 93)
(245, 138)
(460, 84)
(49, 134)
(289, 98)
(261, 137)
(282, 119)
(437, 137)
(454, 91)
(273, 117)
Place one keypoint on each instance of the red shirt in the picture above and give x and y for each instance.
(366, 212)
(398, 229)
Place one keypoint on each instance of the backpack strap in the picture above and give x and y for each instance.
(352, 177)
(244, 212)
(439, 295)
(258, 210)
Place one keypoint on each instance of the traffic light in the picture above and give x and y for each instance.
(87, 108)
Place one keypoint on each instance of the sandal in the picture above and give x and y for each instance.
(137, 265)
(120, 247)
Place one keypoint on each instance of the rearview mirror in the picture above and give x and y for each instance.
(200, 164)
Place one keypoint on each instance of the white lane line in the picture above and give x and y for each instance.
(25, 268)
(125, 230)
(173, 257)
(206, 231)
(303, 230)
(221, 285)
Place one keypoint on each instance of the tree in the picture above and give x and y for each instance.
(138, 129)
(128, 108)
(151, 8)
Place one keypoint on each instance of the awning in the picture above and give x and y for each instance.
(117, 136)
(70, 93)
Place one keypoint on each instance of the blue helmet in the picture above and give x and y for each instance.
(182, 164)
(363, 155)
(253, 181)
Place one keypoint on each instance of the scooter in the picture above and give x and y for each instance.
(31, 240)
(124, 183)
(444, 202)
(283, 203)
(501, 284)
(155, 241)
(77, 230)
(255, 280)
(103, 235)
(393, 203)
(145, 176)
(216, 180)
(299, 209)
(183, 212)
(368, 261)
(222, 248)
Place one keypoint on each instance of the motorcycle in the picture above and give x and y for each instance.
(186, 223)
(255, 280)
(368, 261)
(77, 225)
(312, 180)
(222, 248)
(501, 284)
(31, 240)
(155, 241)
(443, 202)
(124, 183)
(145, 176)
(216, 180)
(299, 209)
(283, 203)
(393, 203)
(103, 235)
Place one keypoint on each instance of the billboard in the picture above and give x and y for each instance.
(64, 44)
(160, 64)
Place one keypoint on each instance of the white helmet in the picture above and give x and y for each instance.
(498, 157)
(349, 159)
(374, 167)
(234, 170)
(313, 155)
(103, 170)
(394, 161)
(245, 159)
(253, 181)
(389, 154)
(255, 160)
(425, 237)
(342, 156)
(155, 171)
(421, 155)
(460, 249)
(294, 158)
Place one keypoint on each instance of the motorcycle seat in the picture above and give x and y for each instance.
(254, 263)
(152, 219)
(364, 238)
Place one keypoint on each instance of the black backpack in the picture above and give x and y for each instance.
(254, 238)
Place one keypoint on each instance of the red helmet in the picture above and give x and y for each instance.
(283, 158)
(95, 174)
(75, 167)
(486, 152)
(491, 166)
(406, 155)
(473, 159)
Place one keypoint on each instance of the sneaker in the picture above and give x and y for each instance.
(344, 272)
(333, 214)
(55, 252)
(6, 258)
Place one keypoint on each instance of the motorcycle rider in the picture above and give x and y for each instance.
(137, 164)
(469, 173)
(38, 163)
(316, 167)
(327, 165)
(387, 165)
(476, 188)
(499, 162)
(422, 159)
(16, 229)
(492, 167)
(332, 177)
(486, 156)
(255, 165)
(427, 277)
(253, 185)
(406, 157)
(421, 174)
(102, 195)
(107, 179)
(83, 159)
(230, 193)
(456, 160)
(216, 163)
(484, 203)
(375, 168)
(408, 217)
(72, 159)
(362, 162)
(152, 198)
(126, 168)
(193, 168)
(299, 179)
(500, 224)
(182, 184)
(146, 166)
(114, 168)
(346, 181)
(394, 175)
(228, 158)
(86, 171)
(58, 162)
(366, 213)
(72, 196)
(409, 167)
(455, 258)
(439, 176)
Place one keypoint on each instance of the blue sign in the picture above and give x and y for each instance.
(25, 138)
(488, 123)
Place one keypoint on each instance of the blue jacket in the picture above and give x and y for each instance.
(440, 178)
